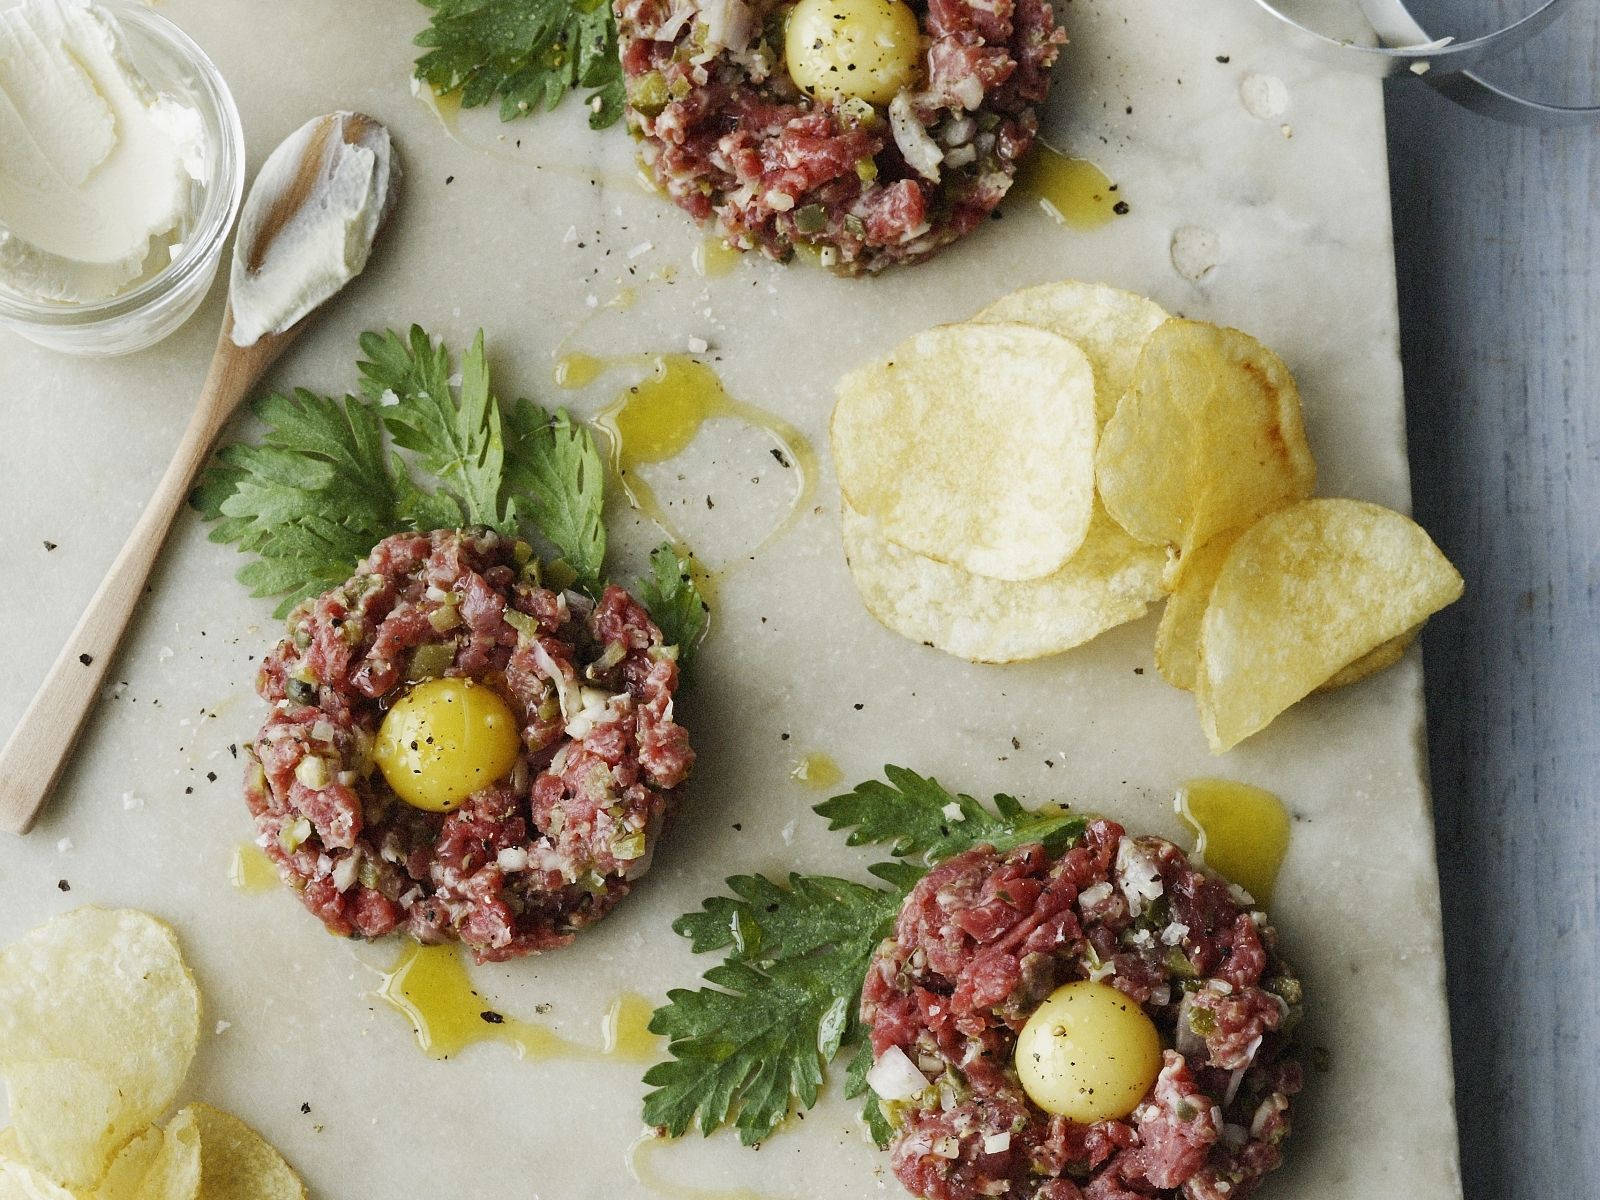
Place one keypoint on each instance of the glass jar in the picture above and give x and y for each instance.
(140, 317)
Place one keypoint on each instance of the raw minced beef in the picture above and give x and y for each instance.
(984, 938)
(728, 135)
(523, 863)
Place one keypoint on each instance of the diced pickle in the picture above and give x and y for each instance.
(648, 93)
(429, 661)
(559, 575)
(810, 218)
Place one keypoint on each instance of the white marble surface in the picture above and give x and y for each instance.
(1296, 206)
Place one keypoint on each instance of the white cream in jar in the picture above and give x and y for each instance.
(101, 174)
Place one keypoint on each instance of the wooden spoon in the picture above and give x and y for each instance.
(32, 760)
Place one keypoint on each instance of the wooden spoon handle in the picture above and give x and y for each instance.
(32, 760)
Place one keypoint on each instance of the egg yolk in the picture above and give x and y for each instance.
(444, 740)
(839, 49)
(1088, 1053)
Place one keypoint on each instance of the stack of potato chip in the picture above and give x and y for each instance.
(1019, 484)
(99, 1020)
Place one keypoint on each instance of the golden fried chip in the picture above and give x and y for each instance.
(99, 1019)
(1304, 593)
(131, 1167)
(237, 1163)
(1109, 325)
(18, 1181)
(1373, 661)
(973, 445)
(1208, 438)
(1178, 635)
(159, 1164)
(1111, 580)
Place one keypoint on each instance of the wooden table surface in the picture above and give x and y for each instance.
(1499, 268)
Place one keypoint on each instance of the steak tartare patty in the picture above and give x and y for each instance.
(730, 135)
(524, 861)
(981, 942)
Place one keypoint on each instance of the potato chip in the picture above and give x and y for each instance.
(159, 1164)
(99, 1019)
(131, 1166)
(237, 1163)
(1379, 659)
(1109, 325)
(1208, 438)
(69, 1117)
(1178, 635)
(19, 1181)
(973, 445)
(1111, 580)
(1305, 592)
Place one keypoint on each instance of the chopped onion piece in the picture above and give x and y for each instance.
(921, 152)
(895, 1077)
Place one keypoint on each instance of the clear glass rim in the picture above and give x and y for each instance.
(223, 195)
(1405, 43)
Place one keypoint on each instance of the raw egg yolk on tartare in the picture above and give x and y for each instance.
(860, 49)
(1088, 1053)
(444, 740)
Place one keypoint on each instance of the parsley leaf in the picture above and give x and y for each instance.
(914, 815)
(559, 483)
(786, 996)
(458, 440)
(527, 54)
(781, 1004)
(675, 603)
(326, 484)
(313, 498)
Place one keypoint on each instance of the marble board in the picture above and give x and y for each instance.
(1267, 176)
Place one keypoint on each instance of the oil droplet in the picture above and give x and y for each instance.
(626, 1030)
(645, 1174)
(714, 257)
(251, 870)
(430, 985)
(576, 370)
(656, 419)
(1072, 190)
(1241, 832)
(817, 770)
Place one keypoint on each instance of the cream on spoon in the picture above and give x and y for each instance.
(307, 229)
(310, 222)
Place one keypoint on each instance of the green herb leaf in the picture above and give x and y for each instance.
(457, 439)
(554, 469)
(913, 815)
(780, 1004)
(675, 603)
(786, 996)
(527, 54)
(327, 483)
(312, 499)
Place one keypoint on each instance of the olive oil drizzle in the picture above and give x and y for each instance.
(714, 258)
(1074, 191)
(817, 770)
(644, 1173)
(251, 870)
(1241, 832)
(656, 419)
(431, 987)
